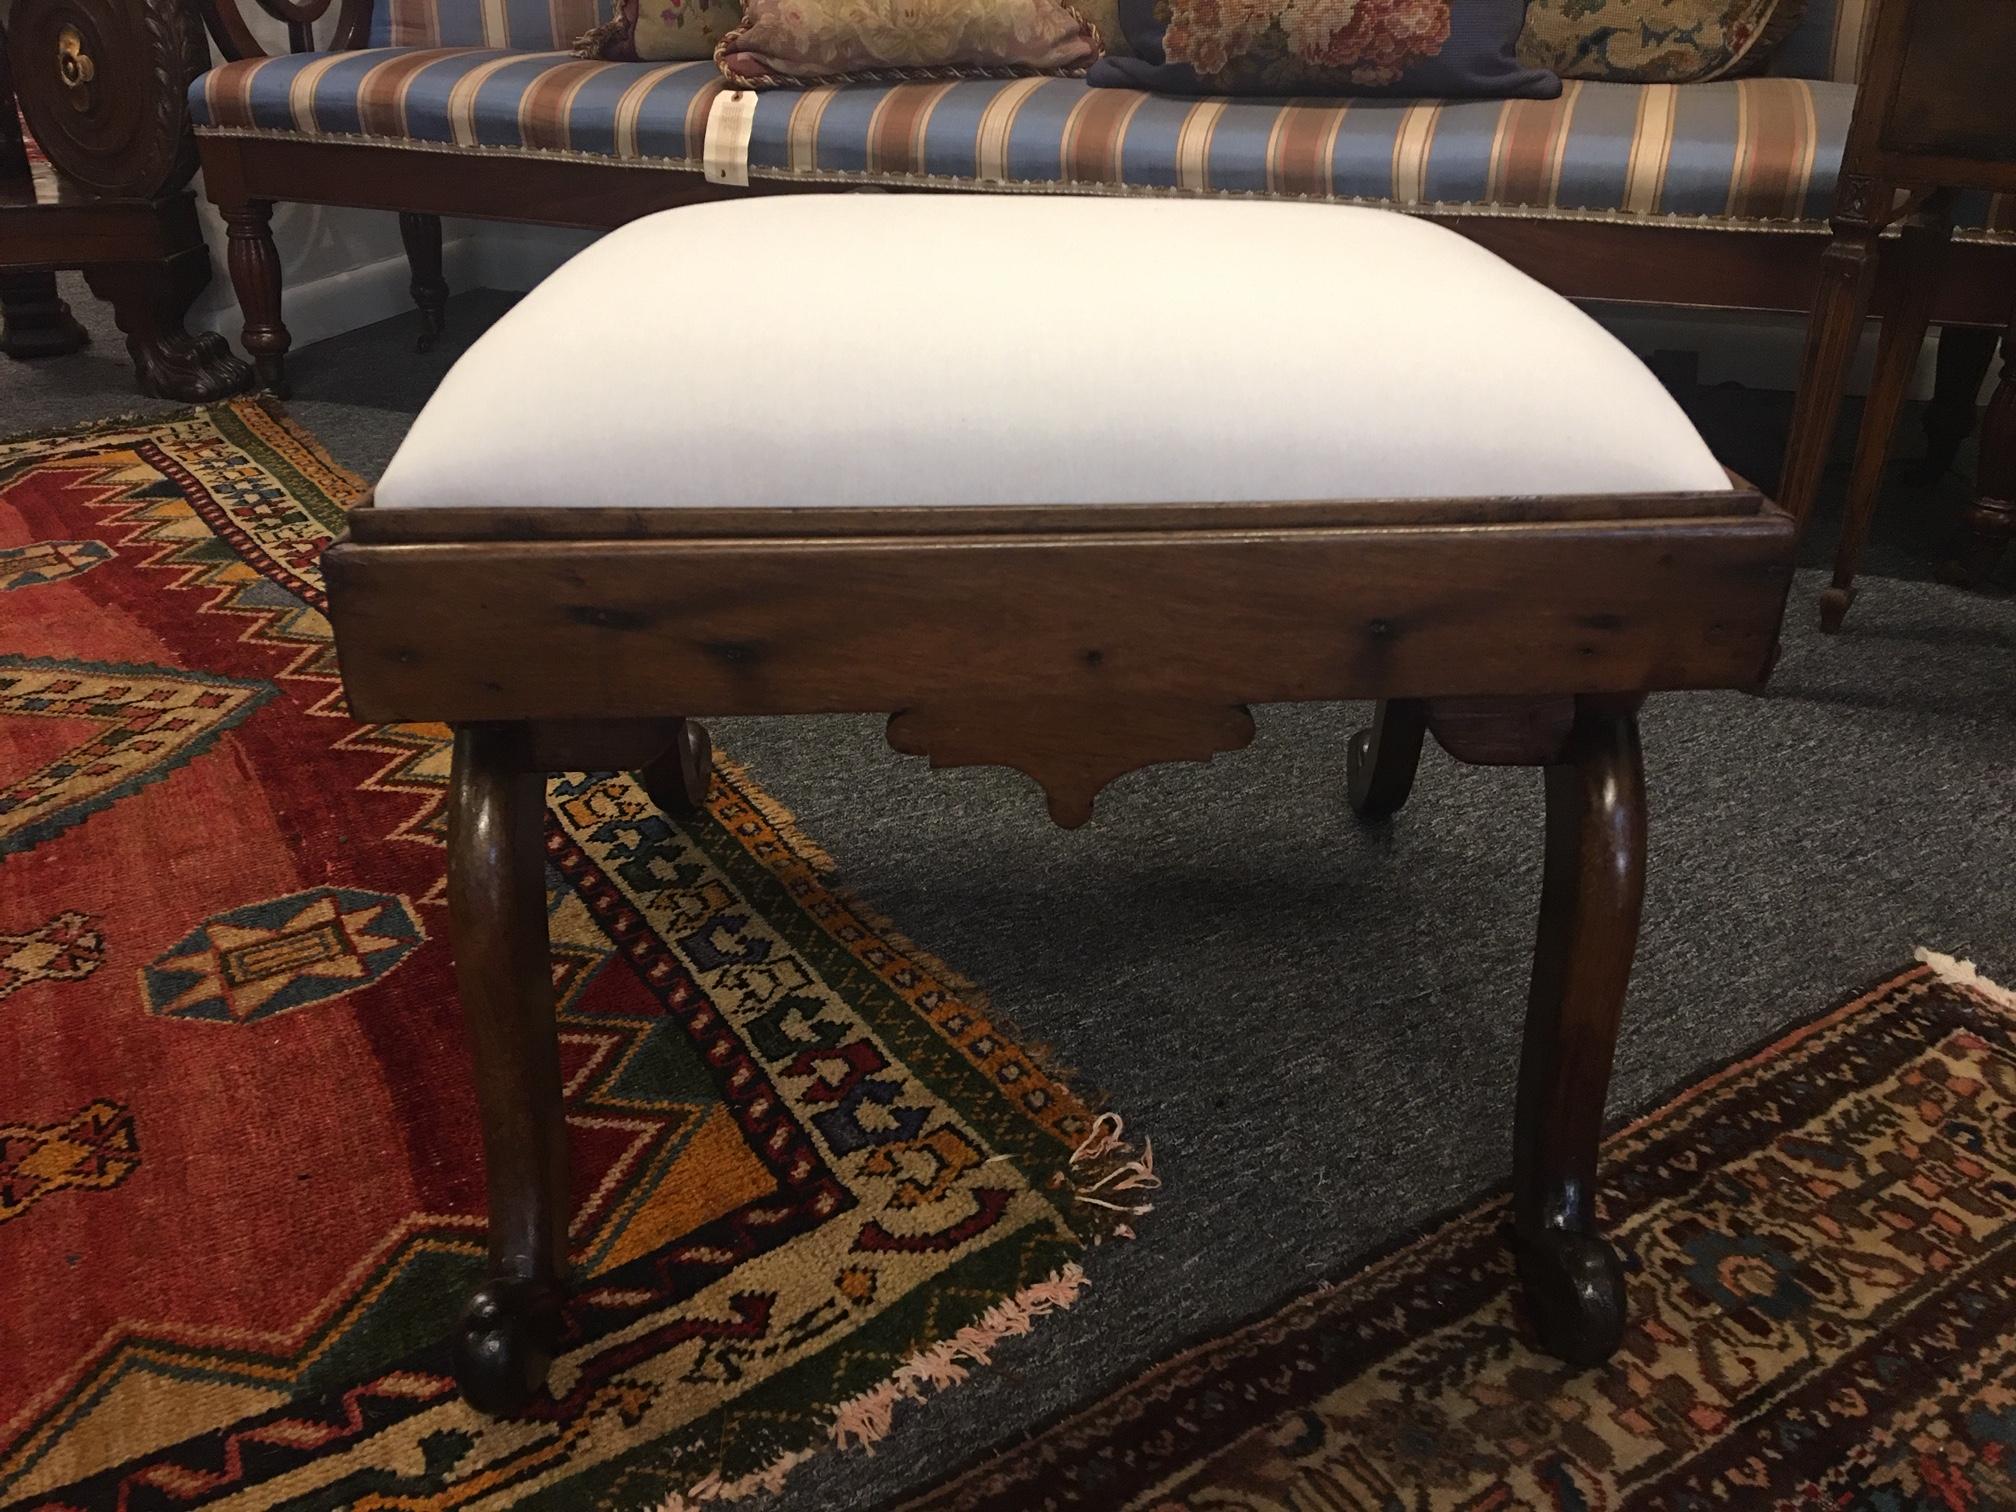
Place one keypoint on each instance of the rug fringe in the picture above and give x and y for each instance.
(1105, 1150)
(1964, 974)
(865, 1421)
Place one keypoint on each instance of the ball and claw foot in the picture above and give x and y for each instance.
(504, 1343)
(1834, 604)
(678, 780)
(1574, 1286)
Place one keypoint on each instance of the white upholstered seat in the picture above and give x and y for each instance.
(923, 349)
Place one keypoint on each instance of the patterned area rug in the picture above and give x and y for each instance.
(239, 1175)
(1823, 1294)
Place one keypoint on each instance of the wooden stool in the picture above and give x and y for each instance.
(905, 465)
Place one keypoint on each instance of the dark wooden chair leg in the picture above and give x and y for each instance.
(1590, 897)
(150, 301)
(497, 911)
(34, 320)
(1847, 276)
(678, 780)
(1965, 355)
(1923, 249)
(1381, 761)
(422, 236)
(255, 275)
(1990, 526)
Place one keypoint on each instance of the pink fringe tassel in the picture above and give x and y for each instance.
(866, 1420)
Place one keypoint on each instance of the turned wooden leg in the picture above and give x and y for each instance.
(1847, 273)
(497, 913)
(150, 301)
(422, 236)
(1922, 251)
(1965, 355)
(34, 320)
(1990, 526)
(255, 274)
(1593, 885)
(1381, 761)
(678, 779)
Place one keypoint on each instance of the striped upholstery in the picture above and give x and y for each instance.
(1751, 151)
(1827, 43)
(474, 98)
(527, 25)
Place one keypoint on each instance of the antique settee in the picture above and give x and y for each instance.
(1706, 195)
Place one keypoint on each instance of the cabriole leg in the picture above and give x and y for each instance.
(497, 912)
(678, 780)
(1590, 896)
(1381, 761)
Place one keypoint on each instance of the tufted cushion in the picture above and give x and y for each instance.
(927, 350)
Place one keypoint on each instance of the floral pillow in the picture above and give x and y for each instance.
(1656, 41)
(667, 30)
(828, 41)
(1437, 48)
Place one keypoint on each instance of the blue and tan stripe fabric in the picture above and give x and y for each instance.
(476, 98)
(1759, 149)
(1751, 151)
(527, 25)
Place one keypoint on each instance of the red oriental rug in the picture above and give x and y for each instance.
(239, 1172)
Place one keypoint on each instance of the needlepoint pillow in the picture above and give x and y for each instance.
(1656, 41)
(662, 30)
(1436, 48)
(784, 42)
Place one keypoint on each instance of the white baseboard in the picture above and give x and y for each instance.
(317, 308)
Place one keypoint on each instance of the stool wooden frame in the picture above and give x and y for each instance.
(1075, 644)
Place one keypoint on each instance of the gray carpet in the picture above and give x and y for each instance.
(1317, 1023)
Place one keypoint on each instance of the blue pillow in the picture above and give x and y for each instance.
(1426, 48)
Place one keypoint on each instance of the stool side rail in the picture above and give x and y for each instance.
(501, 630)
(376, 524)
